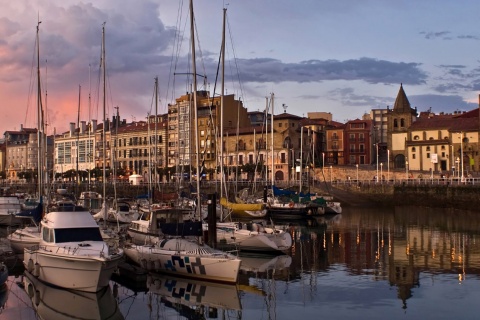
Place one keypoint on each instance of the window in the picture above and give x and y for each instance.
(402, 122)
(395, 123)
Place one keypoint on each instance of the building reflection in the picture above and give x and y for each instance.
(395, 245)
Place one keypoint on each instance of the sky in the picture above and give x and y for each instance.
(344, 57)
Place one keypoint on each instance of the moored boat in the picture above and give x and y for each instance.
(252, 236)
(187, 258)
(71, 253)
(244, 210)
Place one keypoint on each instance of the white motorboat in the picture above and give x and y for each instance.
(24, 238)
(149, 226)
(122, 212)
(194, 293)
(71, 253)
(52, 302)
(252, 236)
(188, 258)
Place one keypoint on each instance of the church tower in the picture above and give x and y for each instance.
(399, 120)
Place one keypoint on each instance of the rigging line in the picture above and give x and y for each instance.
(175, 53)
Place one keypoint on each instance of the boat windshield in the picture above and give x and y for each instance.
(77, 234)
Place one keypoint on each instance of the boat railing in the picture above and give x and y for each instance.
(77, 250)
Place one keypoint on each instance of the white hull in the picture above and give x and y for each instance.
(24, 238)
(264, 240)
(63, 268)
(202, 263)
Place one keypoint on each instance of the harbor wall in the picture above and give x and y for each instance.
(463, 197)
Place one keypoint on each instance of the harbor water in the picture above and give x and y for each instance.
(367, 263)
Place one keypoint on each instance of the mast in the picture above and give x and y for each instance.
(194, 69)
(156, 131)
(39, 119)
(78, 132)
(104, 138)
(221, 105)
(271, 134)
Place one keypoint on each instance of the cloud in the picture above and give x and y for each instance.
(436, 35)
(440, 103)
(370, 70)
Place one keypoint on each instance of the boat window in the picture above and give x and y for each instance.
(77, 234)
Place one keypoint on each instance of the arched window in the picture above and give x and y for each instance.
(395, 123)
(287, 143)
(402, 122)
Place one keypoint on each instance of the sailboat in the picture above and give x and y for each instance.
(181, 256)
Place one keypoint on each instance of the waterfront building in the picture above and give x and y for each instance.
(247, 149)
(181, 127)
(74, 149)
(399, 119)
(134, 146)
(335, 144)
(361, 145)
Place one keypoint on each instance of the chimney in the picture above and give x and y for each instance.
(83, 126)
(94, 125)
(72, 128)
(21, 125)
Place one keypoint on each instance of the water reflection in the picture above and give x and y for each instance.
(365, 263)
(56, 303)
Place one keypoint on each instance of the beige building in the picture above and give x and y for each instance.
(181, 127)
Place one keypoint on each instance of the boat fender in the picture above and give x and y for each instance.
(158, 284)
(30, 265)
(157, 264)
(144, 263)
(37, 298)
(30, 290)
(36, 270)
(149, 280)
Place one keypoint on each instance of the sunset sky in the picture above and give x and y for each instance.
(344, 57)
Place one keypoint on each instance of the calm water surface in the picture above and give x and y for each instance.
(403, 263)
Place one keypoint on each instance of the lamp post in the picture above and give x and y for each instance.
(381, 171)
(376, 153)
(330, 174)
(461, 152)
(457, 163)
(323, 164)
(388, 165)
(357, 171)
(406, 168)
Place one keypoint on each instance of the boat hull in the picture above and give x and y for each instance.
(70, 271)
(24, 238)
(219, 268)
(244, 210)
(250, 240)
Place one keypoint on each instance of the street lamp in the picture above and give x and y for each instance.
(406, 168)
(461, 152)
(388, 165)
(357, 171)
(381, 171)
(323, 164)
(330, 174)
(376, 146)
